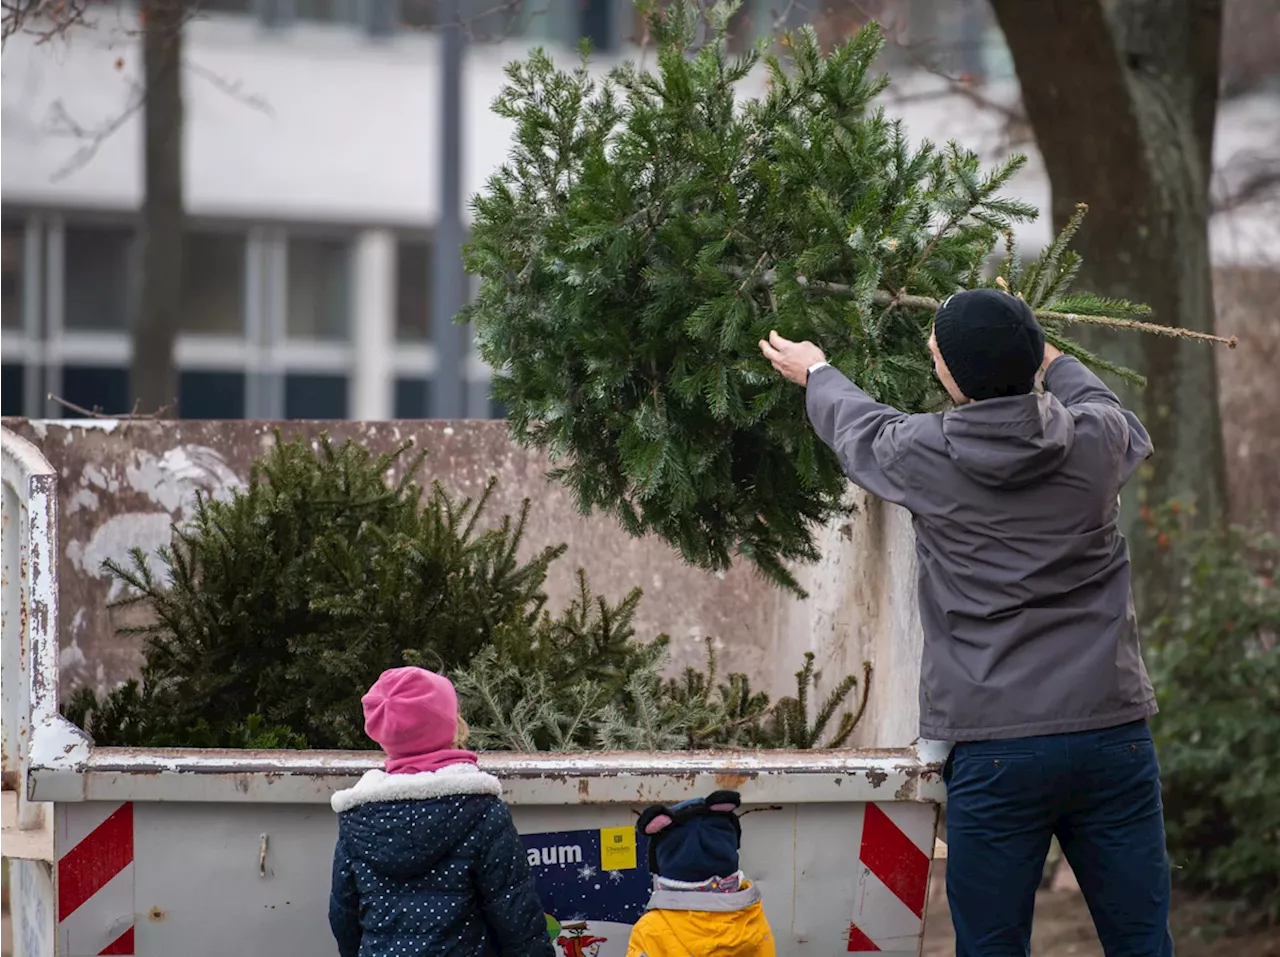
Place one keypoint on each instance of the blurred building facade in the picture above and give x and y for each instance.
(312, 167)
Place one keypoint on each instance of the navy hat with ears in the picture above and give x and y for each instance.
(694, 840)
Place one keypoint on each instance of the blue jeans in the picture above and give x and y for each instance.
(1099, 792)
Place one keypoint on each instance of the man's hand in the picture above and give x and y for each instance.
(792, 359)
(1051, 352)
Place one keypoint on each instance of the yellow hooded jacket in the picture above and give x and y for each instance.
(702, 924)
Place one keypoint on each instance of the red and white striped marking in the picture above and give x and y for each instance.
(893, 878)
(95, 880)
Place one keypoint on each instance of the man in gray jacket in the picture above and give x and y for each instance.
(1031, 665)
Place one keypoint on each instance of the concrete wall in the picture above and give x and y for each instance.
(122, 484)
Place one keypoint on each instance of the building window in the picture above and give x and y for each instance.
(98, 277)
(97, 388)
(13, 380)
(418, 14)
(315, 397)
(413, 297)
(595, 23)
(213, 270)
(319, 286)
(412, 399)
(14, 252)
(223, 6)
(379, 17)
(211, 395)
(489, 22)
(325, 11)
(497, 410)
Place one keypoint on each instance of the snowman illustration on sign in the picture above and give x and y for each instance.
(576, 942)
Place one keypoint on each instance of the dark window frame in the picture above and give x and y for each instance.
(348, 238)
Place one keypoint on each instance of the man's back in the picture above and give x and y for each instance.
(1031, 663)
(1024, 576)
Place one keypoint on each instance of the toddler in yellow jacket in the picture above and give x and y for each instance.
(702, 905)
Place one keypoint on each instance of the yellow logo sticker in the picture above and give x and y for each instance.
(617, 848)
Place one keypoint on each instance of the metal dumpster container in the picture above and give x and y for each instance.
(185, 852)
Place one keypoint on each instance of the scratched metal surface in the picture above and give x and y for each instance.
(122, 485)
(253, 879)
(211, 808)
(79, 772)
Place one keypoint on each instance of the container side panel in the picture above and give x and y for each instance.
(95, 847)
(32, 908)
(259, 874)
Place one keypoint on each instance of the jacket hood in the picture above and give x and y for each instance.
(403, 825)
(1009, 443)
(707, 902)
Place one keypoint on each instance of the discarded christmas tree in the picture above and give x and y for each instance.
(636, 709)
(275, 609)
(649, 228)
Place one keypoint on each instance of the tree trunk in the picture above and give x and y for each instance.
(1122, 96)
(153, 379)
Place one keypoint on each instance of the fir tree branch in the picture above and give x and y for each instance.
(883, 297)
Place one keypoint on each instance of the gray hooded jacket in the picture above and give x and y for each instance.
(1028, 618)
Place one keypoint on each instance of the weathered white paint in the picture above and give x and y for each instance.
(30, 616)
(861, 607)
(103, 425)
(82, 498)
(33, 908)
(70, 769)
(115, 538)
(97, 477)
(173, 480)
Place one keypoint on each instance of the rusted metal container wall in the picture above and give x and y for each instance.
(122, 484)
(156, 852)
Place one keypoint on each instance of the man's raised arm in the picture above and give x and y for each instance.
(862, 432)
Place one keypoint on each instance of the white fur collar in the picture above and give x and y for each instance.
(378, 785)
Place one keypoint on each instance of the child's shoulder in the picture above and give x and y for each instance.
(377, 786)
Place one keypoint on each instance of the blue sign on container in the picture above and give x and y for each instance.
(594, 885)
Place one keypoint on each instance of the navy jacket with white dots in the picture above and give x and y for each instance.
(431, 864)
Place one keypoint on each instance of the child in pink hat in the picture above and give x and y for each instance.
(412, 714)
(428, 860)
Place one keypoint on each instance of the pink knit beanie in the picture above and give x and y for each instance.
(412, 714)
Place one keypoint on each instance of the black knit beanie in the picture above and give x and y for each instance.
(991, 343)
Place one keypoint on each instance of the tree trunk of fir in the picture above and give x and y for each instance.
(153, 379)
(1122, 96)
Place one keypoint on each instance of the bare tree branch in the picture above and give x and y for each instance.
(1259, 183)
(42, 19)
(892, 300)
(97, 413)
(232, 88)
(62, 123)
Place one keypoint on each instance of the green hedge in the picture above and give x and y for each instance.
(1214, 656)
